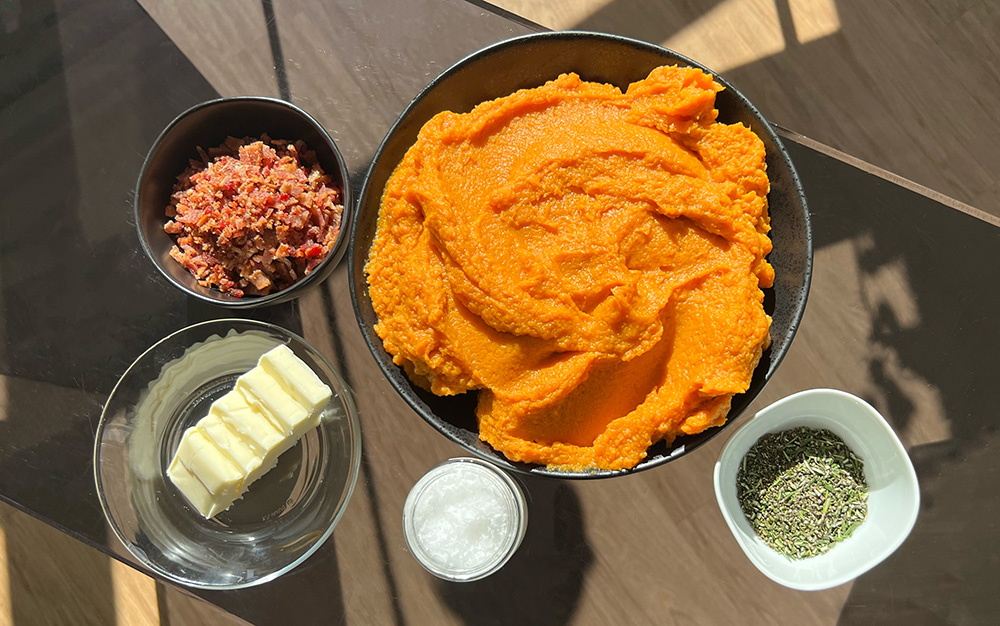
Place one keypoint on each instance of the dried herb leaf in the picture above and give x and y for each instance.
(802, 490)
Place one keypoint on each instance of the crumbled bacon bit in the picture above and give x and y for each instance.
(253, 216)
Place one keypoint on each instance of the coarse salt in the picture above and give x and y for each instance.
(463, 519)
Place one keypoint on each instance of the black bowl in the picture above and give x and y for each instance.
(529, 61)
(207, 125)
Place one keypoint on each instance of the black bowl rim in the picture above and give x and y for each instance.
(776, 358)
(292, 291)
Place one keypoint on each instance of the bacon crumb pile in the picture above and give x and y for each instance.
(253, 216)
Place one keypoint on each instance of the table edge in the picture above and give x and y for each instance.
(886, 175)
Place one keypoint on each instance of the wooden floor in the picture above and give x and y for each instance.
(50, 579)
(912, 86)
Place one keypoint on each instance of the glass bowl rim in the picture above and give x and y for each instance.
(355, 444)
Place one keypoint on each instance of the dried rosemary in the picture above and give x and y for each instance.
(802, 490)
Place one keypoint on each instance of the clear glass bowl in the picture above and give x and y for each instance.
(284, 517)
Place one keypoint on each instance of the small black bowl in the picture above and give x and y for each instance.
(530, 61)
(207, 125)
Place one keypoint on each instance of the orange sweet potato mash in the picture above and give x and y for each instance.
(590, 260)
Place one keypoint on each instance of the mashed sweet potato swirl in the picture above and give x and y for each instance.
(591, 260)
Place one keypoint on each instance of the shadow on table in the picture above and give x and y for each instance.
(931, 282)
(945, 573)
(50, 386)
(542, 582)
(78, 307)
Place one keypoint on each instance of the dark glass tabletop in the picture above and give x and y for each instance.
(902, 312)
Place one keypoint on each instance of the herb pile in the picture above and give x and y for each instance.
(802, 490)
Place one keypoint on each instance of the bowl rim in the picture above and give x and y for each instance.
(761, 424)
(796, 191)
(354, 471)
(333, 257)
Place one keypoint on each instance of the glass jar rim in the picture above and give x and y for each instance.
(514, 501)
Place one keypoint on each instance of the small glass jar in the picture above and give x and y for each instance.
(464, 519)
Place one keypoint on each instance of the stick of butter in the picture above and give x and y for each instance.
(246, 430)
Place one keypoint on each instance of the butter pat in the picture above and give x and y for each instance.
(295, 377)
(230, 444)
(268, 396)
(246, 430)
(251, 425)
(203, 459)
(206, 503)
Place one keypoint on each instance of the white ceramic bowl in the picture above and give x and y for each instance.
(893, 493)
